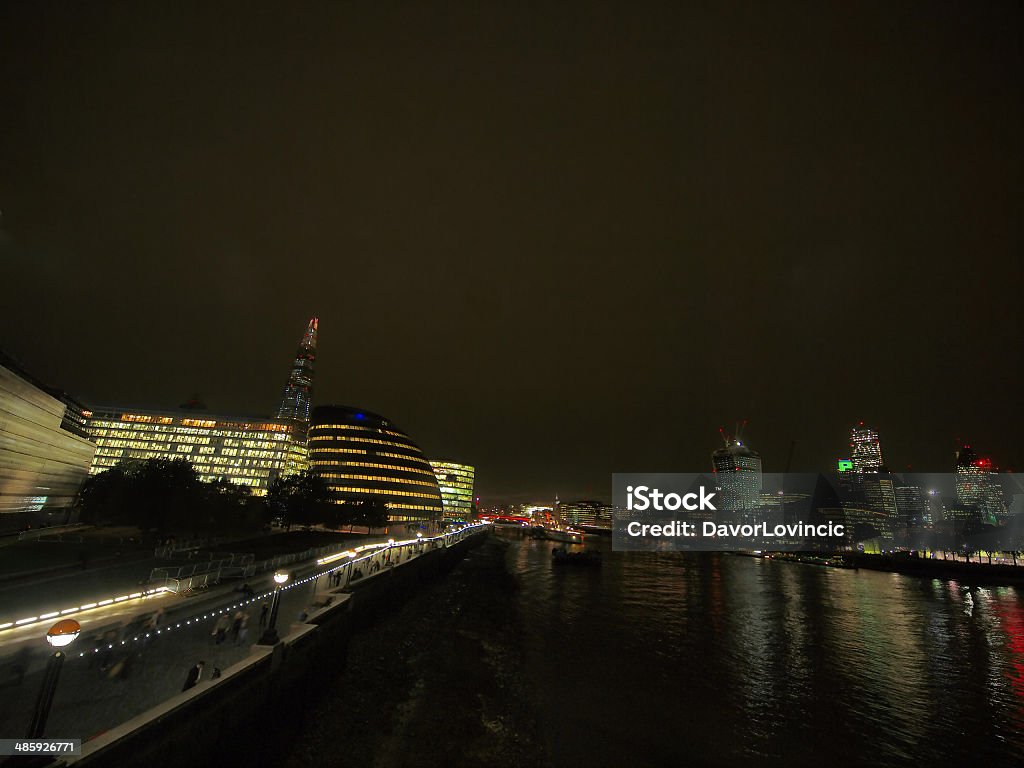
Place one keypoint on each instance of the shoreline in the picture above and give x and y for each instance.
(995, 574)
(446, 662)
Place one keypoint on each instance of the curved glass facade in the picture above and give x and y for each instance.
(363, 456)
(43, 456)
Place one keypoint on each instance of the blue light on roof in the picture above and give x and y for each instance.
(360, 415)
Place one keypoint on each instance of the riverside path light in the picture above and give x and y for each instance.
(270, 635)
(60, 635)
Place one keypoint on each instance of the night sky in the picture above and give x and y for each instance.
(553, 240)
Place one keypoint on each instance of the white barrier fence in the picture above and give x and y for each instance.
(347, 566)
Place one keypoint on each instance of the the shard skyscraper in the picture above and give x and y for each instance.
(298, 392)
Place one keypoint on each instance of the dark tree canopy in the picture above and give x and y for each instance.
(167, 496)
(301, 499)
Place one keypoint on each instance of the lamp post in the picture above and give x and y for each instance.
(270, 635)
(61, 634)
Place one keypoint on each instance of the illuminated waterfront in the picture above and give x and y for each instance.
(720, 658)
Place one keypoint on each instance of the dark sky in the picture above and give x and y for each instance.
(554, 240)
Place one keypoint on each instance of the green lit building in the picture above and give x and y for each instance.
(456, 483)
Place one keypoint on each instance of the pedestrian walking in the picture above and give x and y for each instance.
(236, 626)
(264, 610)
(107, 649)
(243, 630)
(194, 675)
(220, 629)
(22, 659)
(121, 670)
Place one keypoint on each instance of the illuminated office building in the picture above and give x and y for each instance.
(912, 503)
(44, 454)
(977, 485)
(738, 474)
(298, 392)
(363, 456)
(246, 451)
(879, 492)
(456, 484)
(867, 451)
(971, 476)
(593, 514)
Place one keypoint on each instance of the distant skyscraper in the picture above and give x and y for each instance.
(977, 485)
(298, 392)
(738, 473)
(970, 477)
(971, 474)
(866, 450)
(912, 505)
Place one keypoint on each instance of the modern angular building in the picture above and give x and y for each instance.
(363, 456)
(977, 485)
(297, 397)
(44, 453)
(912, 503)
(456, 483)
(247, 451)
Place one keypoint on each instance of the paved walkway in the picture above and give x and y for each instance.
(62, 589)
(98, 691)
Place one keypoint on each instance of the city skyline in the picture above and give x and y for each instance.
(865, 451)
(368, 374)
(576, 249)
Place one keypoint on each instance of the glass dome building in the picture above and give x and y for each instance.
(364, 456)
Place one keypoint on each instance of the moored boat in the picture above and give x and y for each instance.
(563, 535)
(588, 557)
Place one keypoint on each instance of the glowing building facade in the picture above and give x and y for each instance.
(738, 474)
(456, 483)
(44, 454)
(363, 456)
(252, 452)
(977, 485)
(298, 392)
(594, 514)
(866, 449)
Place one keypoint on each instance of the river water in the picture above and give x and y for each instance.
(666, 659)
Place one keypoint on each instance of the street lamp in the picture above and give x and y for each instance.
(61, 634)
(270, 635)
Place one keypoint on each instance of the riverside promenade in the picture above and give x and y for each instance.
(147, 706)
(113, 670)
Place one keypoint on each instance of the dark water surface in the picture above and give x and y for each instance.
(669, 659)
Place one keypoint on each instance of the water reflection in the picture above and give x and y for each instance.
(723, 658)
